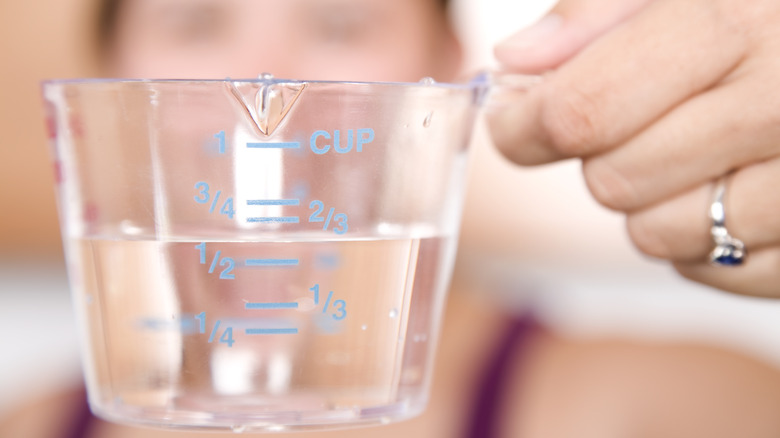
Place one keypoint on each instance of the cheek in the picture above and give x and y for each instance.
(207, 63)
(407, 54)
(364, 68)
(143, 59)
(392, 59)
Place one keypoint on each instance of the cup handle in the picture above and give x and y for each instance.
(502, 88)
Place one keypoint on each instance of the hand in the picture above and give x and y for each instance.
(660, 98)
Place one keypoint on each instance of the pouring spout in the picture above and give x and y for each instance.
(267, 101)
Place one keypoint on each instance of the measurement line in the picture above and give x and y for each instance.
(290, 305)
(274, 145)
(277, 219)
(271, 331)
(273, 202)
(241, 323)
(271, 262)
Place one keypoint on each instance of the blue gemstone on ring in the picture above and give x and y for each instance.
(728, 260)
(731, 253)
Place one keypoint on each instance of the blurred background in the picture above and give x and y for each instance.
(587, 278)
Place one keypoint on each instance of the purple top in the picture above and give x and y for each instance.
(498, 369)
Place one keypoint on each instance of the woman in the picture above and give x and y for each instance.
(498, 374)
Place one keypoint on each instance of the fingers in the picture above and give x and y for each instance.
(679, 229)
(570, 26)
(701, 139)
(759, 276)
(621, 83)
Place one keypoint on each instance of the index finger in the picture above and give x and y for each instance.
(621, 83)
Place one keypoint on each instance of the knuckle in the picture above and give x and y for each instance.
(513, 135)
(609, 186)
(572, 120)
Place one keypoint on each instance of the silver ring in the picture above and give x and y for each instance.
(728, 251)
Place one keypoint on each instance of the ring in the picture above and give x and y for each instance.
(728, 251)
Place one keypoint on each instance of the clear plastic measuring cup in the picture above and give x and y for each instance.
(259, 255)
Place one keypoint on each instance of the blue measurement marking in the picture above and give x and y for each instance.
(214, 201)
(258, 322)
(290, 305)
(273, 202)
(273, 145)
(327, 302)
(214, 331)
(186, 326)
(279, 219)
(271, 262)
(214, 262)
(327, 220)
(271, 331)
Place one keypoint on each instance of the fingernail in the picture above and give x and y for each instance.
(539, 33)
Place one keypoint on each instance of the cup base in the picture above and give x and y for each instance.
(251, 420)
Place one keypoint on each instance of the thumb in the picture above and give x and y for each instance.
(562, 33)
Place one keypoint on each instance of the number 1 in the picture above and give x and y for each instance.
(202, 248)
(221, 136)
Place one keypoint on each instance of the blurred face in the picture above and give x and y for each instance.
(388, 40)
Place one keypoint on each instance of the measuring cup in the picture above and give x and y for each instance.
(259, 255)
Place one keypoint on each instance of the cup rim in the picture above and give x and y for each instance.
(475, 82)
